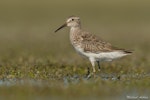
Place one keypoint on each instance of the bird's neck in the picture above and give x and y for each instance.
(74, 34)
(74, 30)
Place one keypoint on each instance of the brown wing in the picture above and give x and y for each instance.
(92, 43)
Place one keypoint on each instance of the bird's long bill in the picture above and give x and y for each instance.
(64, 25)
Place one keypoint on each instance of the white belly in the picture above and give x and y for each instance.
(103, 56)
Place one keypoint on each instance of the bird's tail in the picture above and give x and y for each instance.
(128, 51)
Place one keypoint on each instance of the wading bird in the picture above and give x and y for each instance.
(91, 46)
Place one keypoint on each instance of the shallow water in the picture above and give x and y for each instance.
(75, 79)
(66, 80)
(107, 83)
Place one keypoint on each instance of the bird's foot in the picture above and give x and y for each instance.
(90, 74)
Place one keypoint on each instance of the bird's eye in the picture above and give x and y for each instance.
(72, 19)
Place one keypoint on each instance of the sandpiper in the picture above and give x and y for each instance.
(91, 46)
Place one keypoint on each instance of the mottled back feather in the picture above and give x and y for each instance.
(94, 44)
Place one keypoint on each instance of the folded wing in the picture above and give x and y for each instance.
(94, 44)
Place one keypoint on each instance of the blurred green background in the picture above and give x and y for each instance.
(27, 39)
(30, 25)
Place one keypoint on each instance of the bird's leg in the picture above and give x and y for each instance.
(92, 60)
(88, 75)
(93, 66)
(99, 67)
